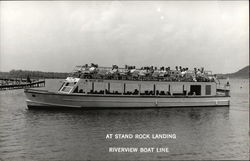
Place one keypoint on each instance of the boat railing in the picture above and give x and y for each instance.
(83, 68)
(144, 73)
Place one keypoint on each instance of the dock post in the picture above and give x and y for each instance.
(139, 89)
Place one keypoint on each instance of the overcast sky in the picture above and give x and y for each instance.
(56, 36)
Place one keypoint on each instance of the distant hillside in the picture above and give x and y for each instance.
(32, 74)
(242, 73)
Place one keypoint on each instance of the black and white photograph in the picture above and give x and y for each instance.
(124, 80)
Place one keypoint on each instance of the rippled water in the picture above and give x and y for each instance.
(202, 133)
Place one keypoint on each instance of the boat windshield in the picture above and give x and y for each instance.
(66, 89)
(70, 83)
(67, 86)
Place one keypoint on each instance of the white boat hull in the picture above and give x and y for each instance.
(41, 99)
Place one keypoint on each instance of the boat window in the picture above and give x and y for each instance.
(66, 89)
(61, 86)
(208, 89)
(88, 87)
(178, 88)
(70, 84)
(145, 88)
(195, 90)
(115, 88)
(162, 89)
(76, 90)
(131, 89)
(99, 86)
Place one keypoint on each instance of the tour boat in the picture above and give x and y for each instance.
(92, 87)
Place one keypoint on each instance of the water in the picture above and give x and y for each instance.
(201, 133)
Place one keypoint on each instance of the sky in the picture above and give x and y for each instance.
(58, 35)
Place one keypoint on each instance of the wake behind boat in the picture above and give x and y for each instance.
(131, 87)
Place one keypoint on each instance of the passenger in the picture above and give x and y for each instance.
(202, 69)
(92, 69)
(106, 91)
(162, 73)
(162, 93)
(144, 73)
(198, 72)
(28, 79)
(155, 74)
(183, 73)
(136, 92)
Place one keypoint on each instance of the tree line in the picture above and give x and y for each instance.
(32, 74)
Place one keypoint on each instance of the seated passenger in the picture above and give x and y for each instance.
(198, 72)
(183, 73)
(195, 71)
(155, 74)
(142, 72)
(202, 69)
(129, 93)
(136, 92)
(92, 69)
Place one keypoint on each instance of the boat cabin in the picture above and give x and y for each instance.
(147, 81)
(130, 87)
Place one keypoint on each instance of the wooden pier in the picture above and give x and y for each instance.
(10, 83)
